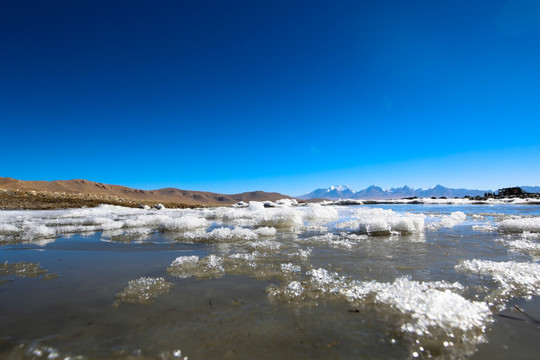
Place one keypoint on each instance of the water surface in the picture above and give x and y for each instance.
(378, 281)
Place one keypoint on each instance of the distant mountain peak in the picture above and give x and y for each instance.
(376, 192)
(338, 188)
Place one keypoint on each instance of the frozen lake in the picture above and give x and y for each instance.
(294, 282)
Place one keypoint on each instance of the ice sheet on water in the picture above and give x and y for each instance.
(265, 245)
(285, 216)
(486, 228)
(266, 231)
(302, 254)
(257, 264)
(531, 225)
(184, 266)
(21, 269)
(433, 305)
(515, 278)
(25, 226)
(142, 291)
(187, 266)
(8, 229)
(290, 268)
(447, 221)
(26, 232)
(429, 306)
(33, 231)
(281, 214)
(523, 245)
(530, 235)
(319, 213)
(384, 222)
(281, 218)
(183, 223)
(342, 240)
(224, 234)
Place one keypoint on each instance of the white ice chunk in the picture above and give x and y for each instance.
(519, 225)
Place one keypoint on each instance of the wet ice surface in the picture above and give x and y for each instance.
(269, 280)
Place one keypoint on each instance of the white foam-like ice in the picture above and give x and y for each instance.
(148, 219)
(227, 234)
(515, 278)
(263, 221)
(290, 268)
(185, 260)
(339, 241)
(8, 229)
(143, 290)
(36, 231)
(266, 231)
(430, 305)
(302, 254)
(385, 222)
(184, 266)
(486, 228)
(247, 257)
(42, 224)
(447, 221)
(520, 225)
(382, 222)
(319, 213)
(267, 245)
(281, 218)
(183, 223)
(523, 244)
(530, 235)
(187, 266)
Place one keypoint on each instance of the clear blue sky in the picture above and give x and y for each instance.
(288, 96)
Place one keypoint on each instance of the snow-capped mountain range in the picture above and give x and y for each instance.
(376, 192)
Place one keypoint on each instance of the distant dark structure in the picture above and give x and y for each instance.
(511, 191)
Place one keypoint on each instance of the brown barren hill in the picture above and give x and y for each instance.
(60, 193)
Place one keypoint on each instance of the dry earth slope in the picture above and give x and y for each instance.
(45, 194)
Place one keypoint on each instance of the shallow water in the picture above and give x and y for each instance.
(377, 281)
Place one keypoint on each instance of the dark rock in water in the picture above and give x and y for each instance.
(348, 202)
(240, 204)
(269, 204)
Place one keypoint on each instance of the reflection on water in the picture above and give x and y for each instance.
(386, 281)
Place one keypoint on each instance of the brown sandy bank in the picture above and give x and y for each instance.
(21, 194)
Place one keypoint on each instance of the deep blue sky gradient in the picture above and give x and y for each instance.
(288, 96)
